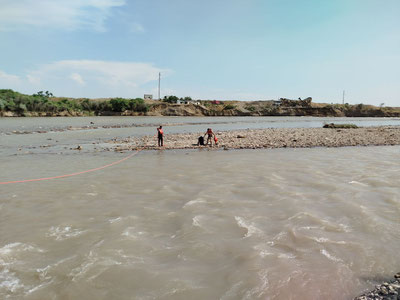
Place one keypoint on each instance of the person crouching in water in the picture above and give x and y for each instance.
(210, 135)
(160, 136)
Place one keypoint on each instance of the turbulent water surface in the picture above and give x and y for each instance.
(200, 224)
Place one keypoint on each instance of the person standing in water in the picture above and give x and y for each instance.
(209, 134)
(160, 133)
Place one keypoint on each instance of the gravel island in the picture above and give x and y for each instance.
(269, 138)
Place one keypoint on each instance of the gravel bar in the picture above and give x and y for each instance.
(270, 138)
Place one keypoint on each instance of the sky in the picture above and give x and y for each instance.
(209, 49)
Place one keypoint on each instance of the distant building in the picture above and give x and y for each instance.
(148, 97)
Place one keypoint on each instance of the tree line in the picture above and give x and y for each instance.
(46, 102)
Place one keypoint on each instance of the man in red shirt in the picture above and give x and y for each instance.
(210, 134)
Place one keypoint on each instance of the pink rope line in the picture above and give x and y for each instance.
(73, 174)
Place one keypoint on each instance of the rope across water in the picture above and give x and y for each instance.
(73, 174)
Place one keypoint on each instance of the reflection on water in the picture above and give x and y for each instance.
(268, 224)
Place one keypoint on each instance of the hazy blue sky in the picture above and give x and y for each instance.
(209, 49)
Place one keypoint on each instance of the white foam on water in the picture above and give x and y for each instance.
(250, 227)
(300, 215)
(276, 176)
(92, 267)
(265, 253)
(132, 233)
(115, 220)
(9, 283)
(330, 256)
(60, 233)
(358, 183)
(262, 250)
(43, 272)
(325, 240)
(18, 247)
(91, 259)
(279, 236)
(39, 287)
(196, 221)
(13, 254)
(131, 259)
(232, 292)
(261, 289)
(309, 227)
(325, 224)
(194, 202)
(286, 256)
(9, 252)
(92, 194)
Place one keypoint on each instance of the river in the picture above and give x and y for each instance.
(319, 223)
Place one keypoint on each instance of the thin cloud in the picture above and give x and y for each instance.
(89, 78)
(137, 28)
(108, 73)
(77, 78)
(62, 14)
(8, 79)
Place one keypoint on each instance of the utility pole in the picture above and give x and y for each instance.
(159, 84)
(343, 97)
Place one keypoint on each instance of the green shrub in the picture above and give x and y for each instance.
(229, 106)
(11, 105)
(345, 126)
(138, 105)
(2, 105)
(250, 108)
(22, 107)
(119, 104)
(170, 99)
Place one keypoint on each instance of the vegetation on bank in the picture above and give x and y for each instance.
(175, 99)
(342, 126)
(45, 102)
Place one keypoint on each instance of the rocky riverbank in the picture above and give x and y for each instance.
(385, 291)
(270, 138)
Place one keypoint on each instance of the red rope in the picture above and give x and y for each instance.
(73, 174)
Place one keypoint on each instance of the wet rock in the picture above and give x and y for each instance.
(386, 291)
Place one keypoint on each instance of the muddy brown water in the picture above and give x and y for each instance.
(250, 224)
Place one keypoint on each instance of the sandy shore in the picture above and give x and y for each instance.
(270, 138)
